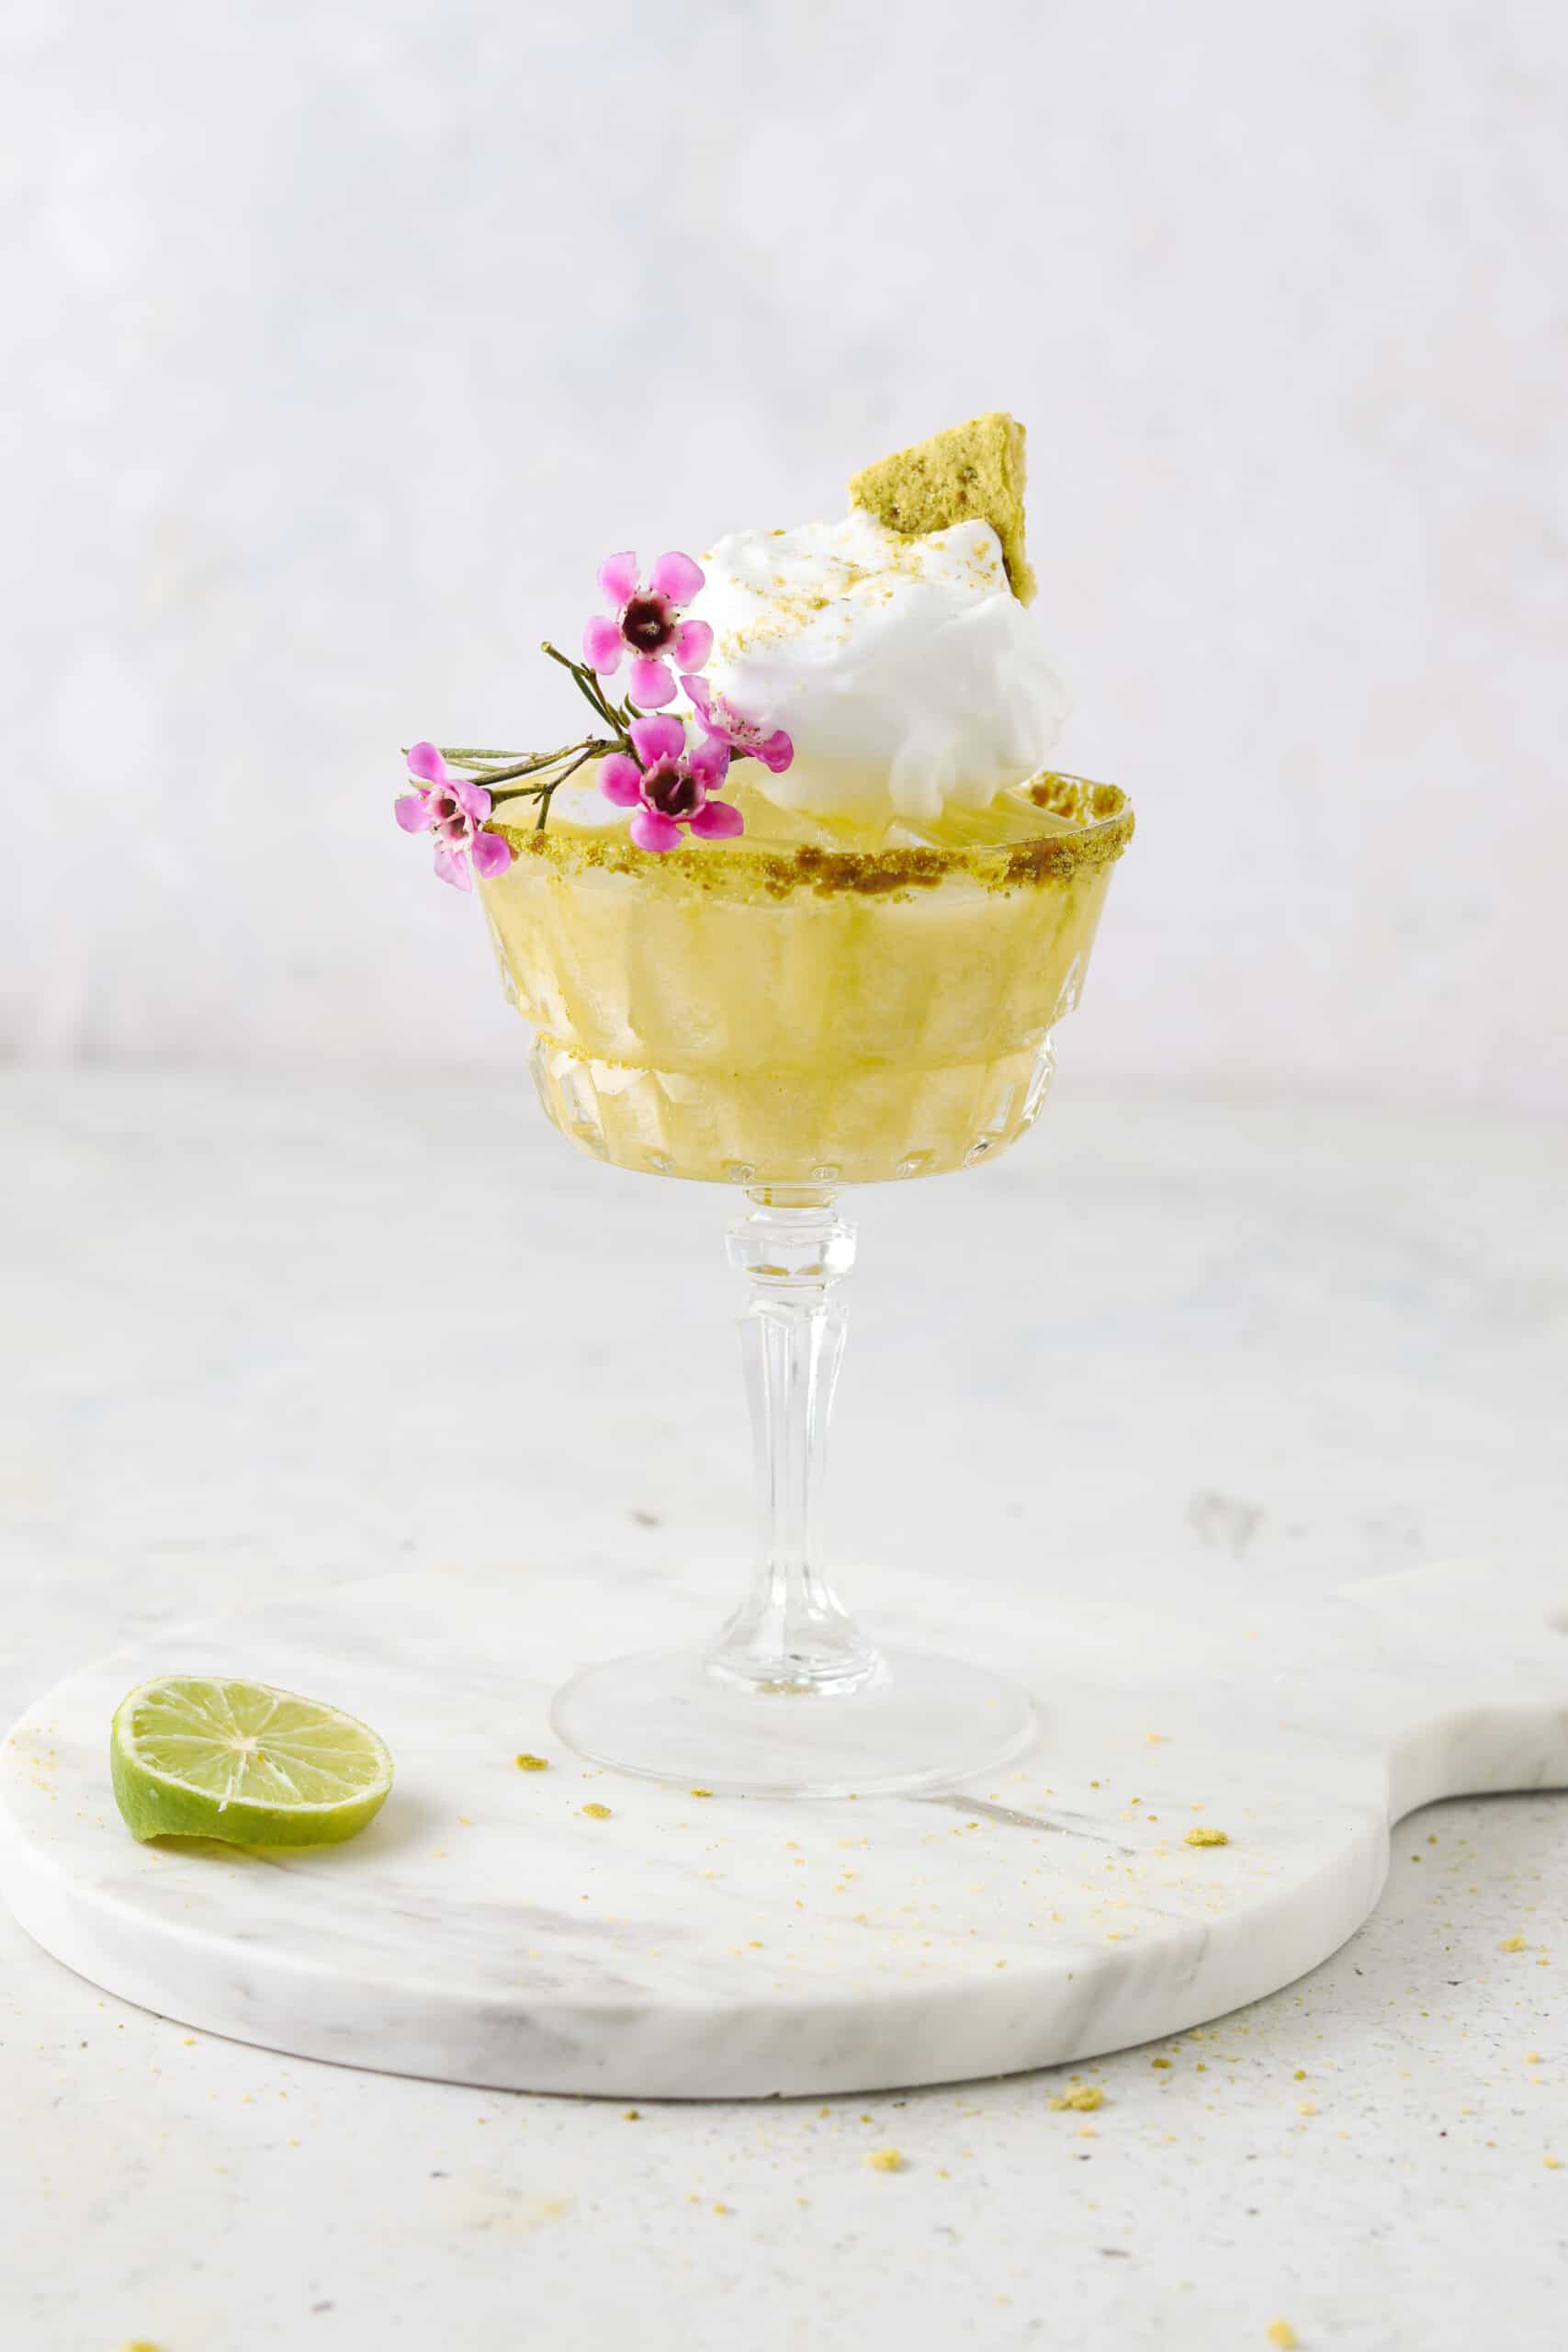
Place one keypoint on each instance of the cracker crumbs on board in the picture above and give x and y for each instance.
(1282, 2336)
(885, 2160)
(532, 1763)
(597, 1812)
(1513, 1943)
(1198, 1836)
(1083, 2101)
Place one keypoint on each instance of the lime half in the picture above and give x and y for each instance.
(202, 1755)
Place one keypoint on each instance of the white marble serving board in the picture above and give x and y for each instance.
(485, 1929)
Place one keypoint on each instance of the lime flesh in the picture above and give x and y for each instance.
(200, 1756)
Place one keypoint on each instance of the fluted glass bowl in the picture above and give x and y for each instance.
(794, 1015)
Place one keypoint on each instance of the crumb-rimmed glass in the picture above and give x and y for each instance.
(789, 1020)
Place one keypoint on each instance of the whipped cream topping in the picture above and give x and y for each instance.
(905, 671)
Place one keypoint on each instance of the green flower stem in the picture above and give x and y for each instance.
(538, 776)
(587, 684)
(550, 789)
(535, 763)
(545, 785)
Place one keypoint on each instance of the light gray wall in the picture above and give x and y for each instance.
(349, 334)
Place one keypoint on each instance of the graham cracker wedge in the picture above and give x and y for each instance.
(971, 469)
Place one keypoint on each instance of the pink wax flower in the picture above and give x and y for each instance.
(723, 725)
(453, 809)
(647, 626)
(669, 785)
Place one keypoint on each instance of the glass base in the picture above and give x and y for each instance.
(918, 1721)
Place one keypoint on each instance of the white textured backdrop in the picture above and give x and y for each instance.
(348, 334)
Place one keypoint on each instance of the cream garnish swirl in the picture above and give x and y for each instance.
(905, 672)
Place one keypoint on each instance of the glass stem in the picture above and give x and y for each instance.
(792, 1632)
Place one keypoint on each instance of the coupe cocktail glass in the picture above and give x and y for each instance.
(789, 1019)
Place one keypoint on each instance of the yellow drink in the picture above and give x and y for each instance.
(768, 1013)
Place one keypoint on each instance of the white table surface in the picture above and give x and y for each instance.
(258, 1334)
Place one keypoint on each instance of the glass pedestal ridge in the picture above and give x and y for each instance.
(790, 1020)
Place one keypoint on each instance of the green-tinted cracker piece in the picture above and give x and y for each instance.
(973, 469)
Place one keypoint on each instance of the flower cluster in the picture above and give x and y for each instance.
(668, 772)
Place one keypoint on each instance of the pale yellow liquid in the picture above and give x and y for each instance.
(734, 1012)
